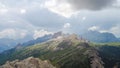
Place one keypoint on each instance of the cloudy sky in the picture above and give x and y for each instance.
(20, 18)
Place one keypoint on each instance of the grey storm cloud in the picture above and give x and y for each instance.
(90, 4)
(38, 17)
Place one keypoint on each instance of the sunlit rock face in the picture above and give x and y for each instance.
(28, 63)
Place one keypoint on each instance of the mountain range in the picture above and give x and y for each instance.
(68, 51)
(7, 43)
(95, 36)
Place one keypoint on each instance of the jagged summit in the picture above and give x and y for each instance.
(57, 34)
(71, 37)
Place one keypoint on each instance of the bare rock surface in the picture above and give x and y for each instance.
(95, 60)
(28, 63)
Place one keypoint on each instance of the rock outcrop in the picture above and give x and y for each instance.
(95, 59)
(28, 63)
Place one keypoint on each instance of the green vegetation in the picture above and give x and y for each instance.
(66, 53)
(109, 52)
(62, 54)
(116, 44)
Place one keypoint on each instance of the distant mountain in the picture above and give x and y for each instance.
(67, 51)
(6, 44)
(28, 63)
(38, 40)
(119, 39)
(96, 36)
(41, 39)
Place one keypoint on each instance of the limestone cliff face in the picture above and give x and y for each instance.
(28, 63)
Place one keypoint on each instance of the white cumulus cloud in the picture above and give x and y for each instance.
(115, 30)
(93, 28)
(61, 8)
(3, 10)
(40, 33)
(22, 11)
(13, 33)
(67, 25)
(84, 18)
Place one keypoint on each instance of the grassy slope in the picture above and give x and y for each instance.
(110, 53)
(110, 50)
(67, 55)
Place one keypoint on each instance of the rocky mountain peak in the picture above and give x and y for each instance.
(57, 34)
